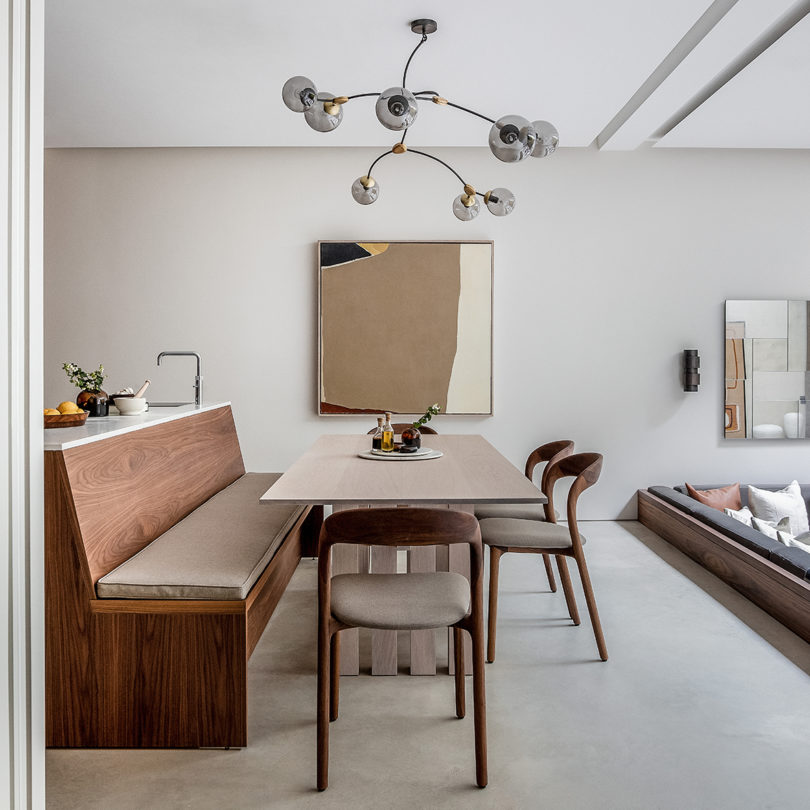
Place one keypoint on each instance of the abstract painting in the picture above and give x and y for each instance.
(404, 325)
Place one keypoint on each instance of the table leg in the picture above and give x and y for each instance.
(384, 642)
(348, 560)
(421, 560)
(458, 560)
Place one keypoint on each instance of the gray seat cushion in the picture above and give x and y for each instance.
(399, 601)
(525, 534)
(521, 511)
(217, 552)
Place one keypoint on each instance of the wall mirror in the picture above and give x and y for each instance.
(766, 369)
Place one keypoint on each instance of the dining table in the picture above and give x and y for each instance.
(465, 470)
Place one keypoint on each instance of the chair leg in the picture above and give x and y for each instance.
(552, 583)
(479, 705)
(324, 643)
(458, 653)
(494, 568)
(590, 600)
(568, 589)
(334, 677)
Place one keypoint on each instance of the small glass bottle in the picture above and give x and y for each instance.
(387, 434)
(376, 439)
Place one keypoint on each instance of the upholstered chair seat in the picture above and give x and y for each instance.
(397, 601)
(511, 533)
(519, 511)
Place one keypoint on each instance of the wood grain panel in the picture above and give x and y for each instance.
(775, 590)
(128, 673)
(127, 490)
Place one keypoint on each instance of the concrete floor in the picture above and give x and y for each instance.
(704, 703)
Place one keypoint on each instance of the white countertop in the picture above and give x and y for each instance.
(102, 427)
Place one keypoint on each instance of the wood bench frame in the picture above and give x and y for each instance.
(129, 673)
(777, 591)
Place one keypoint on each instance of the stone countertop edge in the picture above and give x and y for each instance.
(97, 428)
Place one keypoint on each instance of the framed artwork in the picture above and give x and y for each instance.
(403, 325)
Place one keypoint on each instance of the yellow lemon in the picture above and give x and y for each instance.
(68, 407)
(51, 412)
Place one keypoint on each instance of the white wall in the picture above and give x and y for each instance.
(609, 267)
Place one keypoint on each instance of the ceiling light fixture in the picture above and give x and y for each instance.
(512, 138)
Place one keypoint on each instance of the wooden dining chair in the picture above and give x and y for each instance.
(547, 453)
(400, 426)
(503, 535)
(400, 602)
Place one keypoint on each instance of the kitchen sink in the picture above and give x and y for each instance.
(168, 404)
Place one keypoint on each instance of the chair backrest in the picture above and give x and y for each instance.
(400, 426)
(550, 452)
(585, 469)
(395, 526)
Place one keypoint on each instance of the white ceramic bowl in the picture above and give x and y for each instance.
(129, 406)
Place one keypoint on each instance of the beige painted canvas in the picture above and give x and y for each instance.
(404, 325)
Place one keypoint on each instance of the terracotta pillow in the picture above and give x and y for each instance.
(722, 498)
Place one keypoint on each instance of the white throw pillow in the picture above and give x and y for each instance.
(776, 531)
(797, 543)
(773, 506)
(744, 515)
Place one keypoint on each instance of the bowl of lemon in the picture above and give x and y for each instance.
(66, 414)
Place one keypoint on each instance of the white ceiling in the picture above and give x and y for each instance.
(209, 73)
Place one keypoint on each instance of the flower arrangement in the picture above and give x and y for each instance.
(427, 416)
(87, 381)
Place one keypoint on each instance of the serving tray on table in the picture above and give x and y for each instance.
(422, 454)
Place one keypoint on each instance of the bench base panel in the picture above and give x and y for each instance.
(128, 673)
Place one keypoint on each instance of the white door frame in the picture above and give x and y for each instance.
(22, 633)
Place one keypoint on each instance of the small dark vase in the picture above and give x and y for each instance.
(411, 437)
(95, 402)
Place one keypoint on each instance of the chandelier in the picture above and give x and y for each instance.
(512, 138)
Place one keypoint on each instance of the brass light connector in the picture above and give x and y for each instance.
(367, 182)
(469, 190)
(468, 200)
(331, 108)
(439, 100)
(340, 99)
(486, 197)
(399, 149)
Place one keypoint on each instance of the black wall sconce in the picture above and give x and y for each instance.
(691, 374)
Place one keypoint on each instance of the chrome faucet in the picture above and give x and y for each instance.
(197, 379)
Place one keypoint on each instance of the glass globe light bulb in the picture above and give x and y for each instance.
(512, 138)
(365, 190)
(299, 93)
(396, 108)
(500, 201)
(547, 139)
(317, 117)
(466, 212)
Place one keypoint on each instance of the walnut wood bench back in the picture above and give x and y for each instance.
(127, 490)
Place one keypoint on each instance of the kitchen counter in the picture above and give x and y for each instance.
(102, 427)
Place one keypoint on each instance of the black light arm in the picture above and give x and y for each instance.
(413, 53)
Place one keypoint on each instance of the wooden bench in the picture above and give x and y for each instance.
(777, 591)
(154, 672)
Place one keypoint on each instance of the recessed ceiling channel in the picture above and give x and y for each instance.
(720, 41)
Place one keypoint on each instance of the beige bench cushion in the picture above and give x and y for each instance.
(217, 552)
